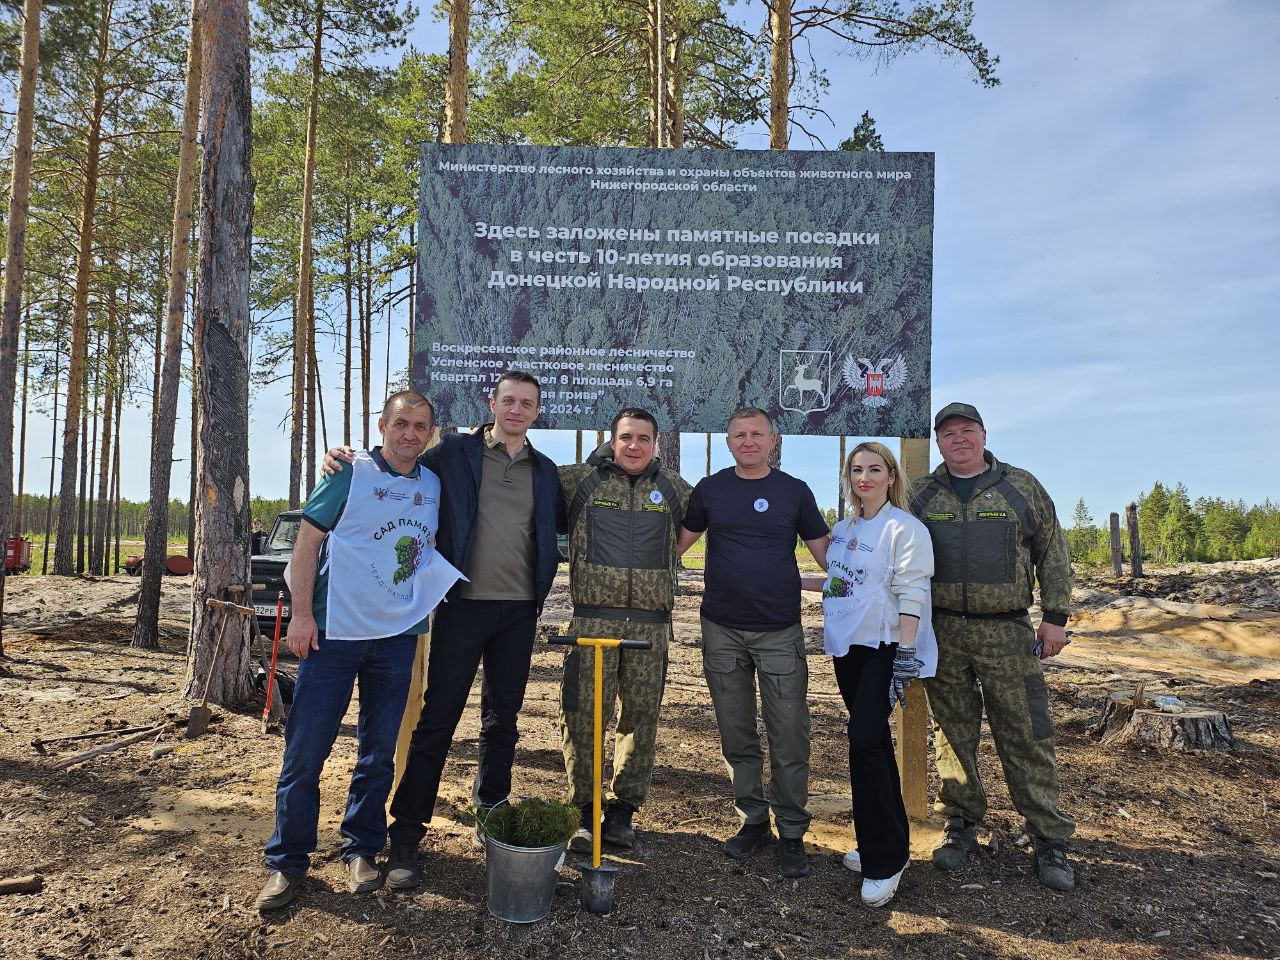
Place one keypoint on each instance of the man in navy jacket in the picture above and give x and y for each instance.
(499, 500)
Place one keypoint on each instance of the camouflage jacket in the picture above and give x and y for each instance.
(622, 534)
(990, 550)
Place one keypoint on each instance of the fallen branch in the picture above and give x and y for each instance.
(31, 883)
(113, 746)
(40, 742)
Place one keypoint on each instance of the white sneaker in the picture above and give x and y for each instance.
(876, 893)
(852, 861)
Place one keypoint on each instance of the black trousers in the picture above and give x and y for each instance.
(879, 817)
(464, 634)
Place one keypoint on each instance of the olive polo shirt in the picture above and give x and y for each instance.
(502, 554)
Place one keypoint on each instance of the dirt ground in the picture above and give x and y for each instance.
(1177, 854)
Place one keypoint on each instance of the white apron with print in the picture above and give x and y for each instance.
(858, 606)
(385, 575)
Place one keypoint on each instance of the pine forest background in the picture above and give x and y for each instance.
(341, 101)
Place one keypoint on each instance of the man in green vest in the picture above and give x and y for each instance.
(624, 510)
(995, 536)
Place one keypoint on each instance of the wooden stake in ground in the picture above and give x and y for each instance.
(1117, 563)
(912, 722)
(1135, 543)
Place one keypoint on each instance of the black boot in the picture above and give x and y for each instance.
(749, 840)
(617, 827)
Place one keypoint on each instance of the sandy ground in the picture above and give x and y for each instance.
(1178, 855)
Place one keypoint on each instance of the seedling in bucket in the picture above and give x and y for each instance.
(597, 880)
(524, 843)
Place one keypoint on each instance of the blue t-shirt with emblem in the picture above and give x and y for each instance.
(752, 580)
(323, 510)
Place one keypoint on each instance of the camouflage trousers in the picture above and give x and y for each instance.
(636, 678)
(990, 663)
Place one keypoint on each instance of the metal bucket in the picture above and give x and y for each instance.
(522, 880)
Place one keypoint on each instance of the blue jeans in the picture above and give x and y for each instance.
(325, 681)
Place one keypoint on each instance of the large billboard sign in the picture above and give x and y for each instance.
(688, 282)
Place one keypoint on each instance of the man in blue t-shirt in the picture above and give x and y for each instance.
(752, 515)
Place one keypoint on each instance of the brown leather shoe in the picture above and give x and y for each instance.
(364, 876)
(281, 890)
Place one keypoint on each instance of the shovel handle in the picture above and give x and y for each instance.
(221, 629)
(567, 641)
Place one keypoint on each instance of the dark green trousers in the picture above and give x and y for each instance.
(634, 678)
(990, 663)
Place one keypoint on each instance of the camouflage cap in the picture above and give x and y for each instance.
(966, 410)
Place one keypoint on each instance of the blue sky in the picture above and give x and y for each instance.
(1107, 236)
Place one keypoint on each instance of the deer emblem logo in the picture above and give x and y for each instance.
(804, 378)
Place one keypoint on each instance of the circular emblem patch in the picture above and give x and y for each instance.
(655, 496)
(761, 505)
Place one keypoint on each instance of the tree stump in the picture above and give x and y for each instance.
(1191, 728)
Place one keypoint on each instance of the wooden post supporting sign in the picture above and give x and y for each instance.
(913, 723)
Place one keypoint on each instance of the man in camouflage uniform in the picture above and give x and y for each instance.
(995, 533)
(623, 513)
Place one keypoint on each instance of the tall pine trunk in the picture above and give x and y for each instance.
(366, 341)
(88, 427)
(305, 310)
(20, 509)
(110, 378)
(660, 136)
(146, 632)
(455, 91)
(158, 346)
(346, 289)
(313, 376)
(221, 345)
(15, 264)
(779, 73)
(53, 449)
(413, 292)
(63, 559)
(115, 481)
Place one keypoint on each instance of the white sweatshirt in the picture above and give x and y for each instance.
(878, 569)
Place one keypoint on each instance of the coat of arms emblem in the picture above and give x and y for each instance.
(874, 378)
(804, 380)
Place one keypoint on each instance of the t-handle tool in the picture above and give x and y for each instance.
(275, 650)
(597, 880)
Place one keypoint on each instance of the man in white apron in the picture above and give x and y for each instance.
(364, 577)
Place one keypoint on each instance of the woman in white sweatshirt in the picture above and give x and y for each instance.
(877, 627)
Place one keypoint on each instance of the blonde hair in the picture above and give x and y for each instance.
(897, 487)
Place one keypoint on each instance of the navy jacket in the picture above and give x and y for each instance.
(457, 460)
